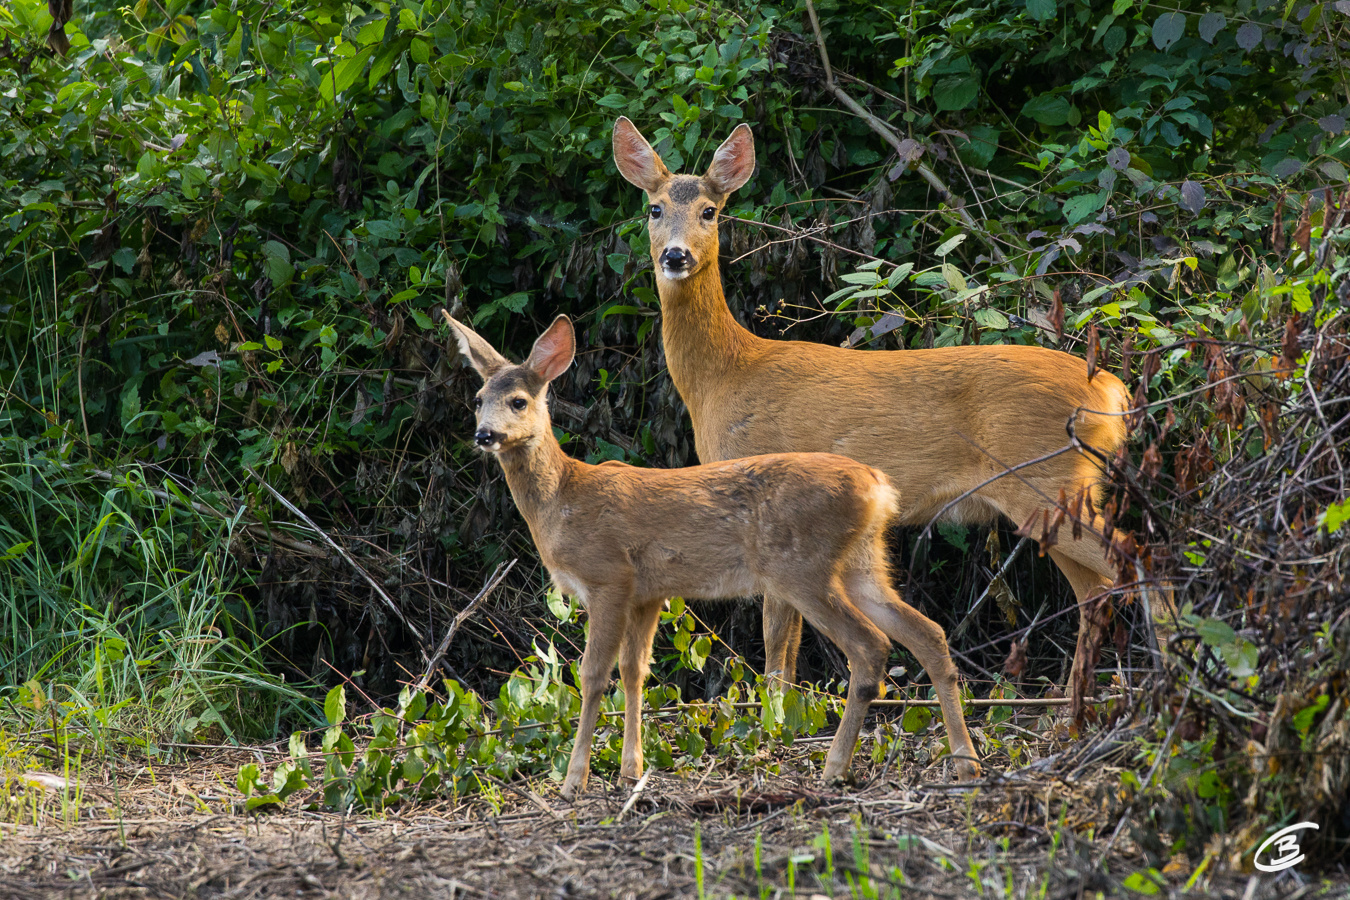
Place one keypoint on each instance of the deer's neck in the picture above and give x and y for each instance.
(703, 341)
(536, 474)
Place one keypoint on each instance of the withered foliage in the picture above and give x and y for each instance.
(1248, 548)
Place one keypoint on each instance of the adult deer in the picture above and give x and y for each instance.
(808, 527)
(939, 422)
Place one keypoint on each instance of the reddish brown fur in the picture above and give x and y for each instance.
(808, 527)
(938, 422)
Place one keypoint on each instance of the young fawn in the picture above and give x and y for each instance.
(941, 423)
(809, 527)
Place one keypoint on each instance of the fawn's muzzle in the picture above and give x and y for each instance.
(677, 259)
(484, 437)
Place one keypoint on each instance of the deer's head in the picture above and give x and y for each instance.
(511, 409)
(683, 209)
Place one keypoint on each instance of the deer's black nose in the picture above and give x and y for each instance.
(676, 258)
(484, 437)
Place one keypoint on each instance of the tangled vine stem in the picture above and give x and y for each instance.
(889, 136)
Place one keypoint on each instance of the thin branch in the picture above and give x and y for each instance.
(889, 136)
(295, 511)
(496, 579)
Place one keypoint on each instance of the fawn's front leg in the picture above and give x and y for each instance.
(634, 656)
(609, 623)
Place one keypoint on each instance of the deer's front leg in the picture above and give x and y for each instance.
(782, 639)
(609, 622)
(634, 657)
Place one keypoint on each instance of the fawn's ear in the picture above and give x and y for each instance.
(636, 159)
(553, 352)
(477, 351)
(733, 163)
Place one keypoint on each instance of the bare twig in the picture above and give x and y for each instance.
(496, 579)
(888, 134)
(341, 551)
(633, 797)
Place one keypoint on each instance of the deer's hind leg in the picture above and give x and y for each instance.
(829, 609)
(634, 657)
(869, 586)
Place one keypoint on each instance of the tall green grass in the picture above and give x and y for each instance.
(124, 611)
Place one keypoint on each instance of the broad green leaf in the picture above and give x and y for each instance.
(1048, 109)
(956, 92)
(1041, 10)
(335, 706)
(1168, 28)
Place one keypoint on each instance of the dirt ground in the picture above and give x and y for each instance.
(173, 831)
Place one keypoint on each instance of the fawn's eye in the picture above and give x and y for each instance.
(656, 213)
(519, 403)
(477, 403)
(709, 214)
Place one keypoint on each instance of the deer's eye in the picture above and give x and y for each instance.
(709, 214)
(477, 403)
(656, 213)
(519, 403)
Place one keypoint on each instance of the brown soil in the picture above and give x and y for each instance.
(173, 831)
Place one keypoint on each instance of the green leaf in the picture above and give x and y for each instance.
(1168, 29)
(980, 149)
(1041, 10)
(131, 403)
(614, 101)
(953, 277)
(991, 318)
(125, 258)
(1048, 109)
(1141, 883)
(343, 74)
(916, 719)
(335, 706)
(950, 244)
(1079, 208)
(955, 93)
(698, 653)
(1336, 515)
(248, 777)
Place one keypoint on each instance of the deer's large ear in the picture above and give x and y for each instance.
(477, 351)
(734, 161)
(553, 352)
(636, 159)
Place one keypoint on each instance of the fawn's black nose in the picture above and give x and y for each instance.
(676, 259)
(484, 437)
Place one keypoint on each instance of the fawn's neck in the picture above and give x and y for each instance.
(703, 340)
(536, 474)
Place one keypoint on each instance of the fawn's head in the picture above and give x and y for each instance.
(682, 209)
(511, 408)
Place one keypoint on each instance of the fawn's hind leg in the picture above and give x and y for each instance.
(921, 636)
(782, 640)
(830, 611)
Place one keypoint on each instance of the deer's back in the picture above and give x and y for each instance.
(936, 421)
(712, 531)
